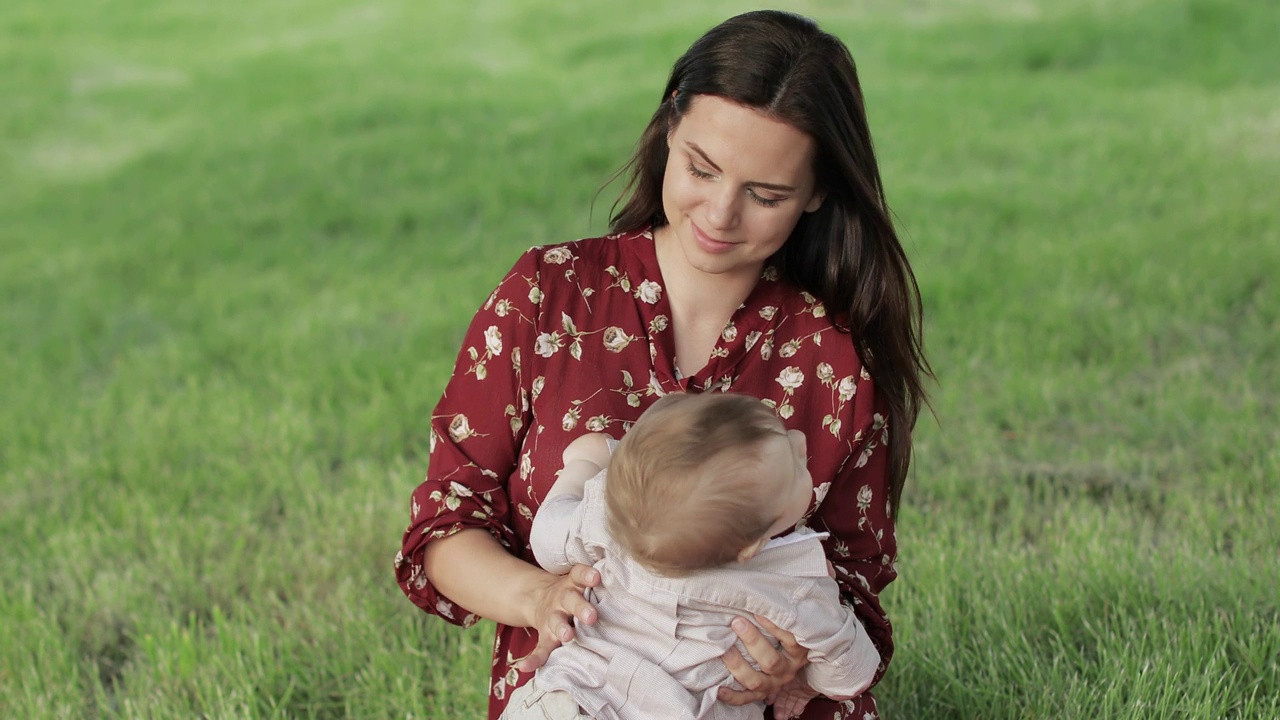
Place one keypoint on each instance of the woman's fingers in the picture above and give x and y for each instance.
(747, 676)
(778, 666)
(738, 697)
(794, 651)
(770, 660)
(578, 607)
(538, 657)
(584, 576)
(573, 602)
(560, 603)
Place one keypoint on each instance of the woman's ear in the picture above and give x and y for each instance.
(673, 119)
(815, 202)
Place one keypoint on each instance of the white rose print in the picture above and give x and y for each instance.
(790, 378)
(547, 344)
(825, 373)
(493, 341)
(864, 498)
(820, 493)
(460, 428)
(649, 291)
(847, 388)
(557, 256)
(616, 339)
(444, 608)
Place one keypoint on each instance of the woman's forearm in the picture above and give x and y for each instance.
(470, 566)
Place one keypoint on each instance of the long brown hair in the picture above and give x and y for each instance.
(847, 252)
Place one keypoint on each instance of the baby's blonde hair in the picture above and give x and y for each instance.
(685, 490)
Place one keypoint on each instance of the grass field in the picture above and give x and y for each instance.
(239, 243)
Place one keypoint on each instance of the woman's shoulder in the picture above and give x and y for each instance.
(589, 260)
(798, 330)
(602, 251)
(802, 311)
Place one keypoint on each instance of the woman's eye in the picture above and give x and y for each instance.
(764, 201)
(757, 199)
(694, 171)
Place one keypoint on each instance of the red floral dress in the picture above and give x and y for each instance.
(577, 338)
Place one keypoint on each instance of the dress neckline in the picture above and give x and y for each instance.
(753, 322)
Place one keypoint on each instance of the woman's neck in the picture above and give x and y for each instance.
(699, 294)
(701, 303)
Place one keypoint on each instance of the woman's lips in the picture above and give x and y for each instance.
(708, 243)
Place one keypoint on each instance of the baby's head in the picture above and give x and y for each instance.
(705, 479)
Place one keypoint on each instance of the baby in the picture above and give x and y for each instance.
(680, 529)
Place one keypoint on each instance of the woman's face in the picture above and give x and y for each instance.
(735, 185)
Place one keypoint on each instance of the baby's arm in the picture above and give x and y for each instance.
(583, 459)
(559, 516)
(842, 658)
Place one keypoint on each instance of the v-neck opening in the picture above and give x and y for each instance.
(734, 341)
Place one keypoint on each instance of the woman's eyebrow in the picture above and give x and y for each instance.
(750, 183)
(703, 155)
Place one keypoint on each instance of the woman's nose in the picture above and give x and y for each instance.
(722, 210)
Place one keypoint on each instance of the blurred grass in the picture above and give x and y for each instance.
(241, 242)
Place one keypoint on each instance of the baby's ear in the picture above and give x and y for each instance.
(750, 551)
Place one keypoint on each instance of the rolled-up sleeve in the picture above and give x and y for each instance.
(842, 659)
(862, 544)
(477, 430)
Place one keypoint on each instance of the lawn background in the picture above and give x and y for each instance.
(239, 244)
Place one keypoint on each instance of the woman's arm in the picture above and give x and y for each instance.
(468, 565)
(458, 558)
(862, 547)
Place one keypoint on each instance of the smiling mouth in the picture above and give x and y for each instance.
(708, 243)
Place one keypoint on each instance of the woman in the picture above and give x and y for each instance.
(754, 253)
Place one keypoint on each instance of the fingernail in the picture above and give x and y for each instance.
(564, 634)
(739, 624)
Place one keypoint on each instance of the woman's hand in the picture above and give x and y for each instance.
(792, 699)
(778, 666)
(556, 604)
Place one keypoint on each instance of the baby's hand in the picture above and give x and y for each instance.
(792, 699)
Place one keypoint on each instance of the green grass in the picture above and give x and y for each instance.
(240, 242)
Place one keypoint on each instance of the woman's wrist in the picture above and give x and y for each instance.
(527, 591)
(467, 566)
